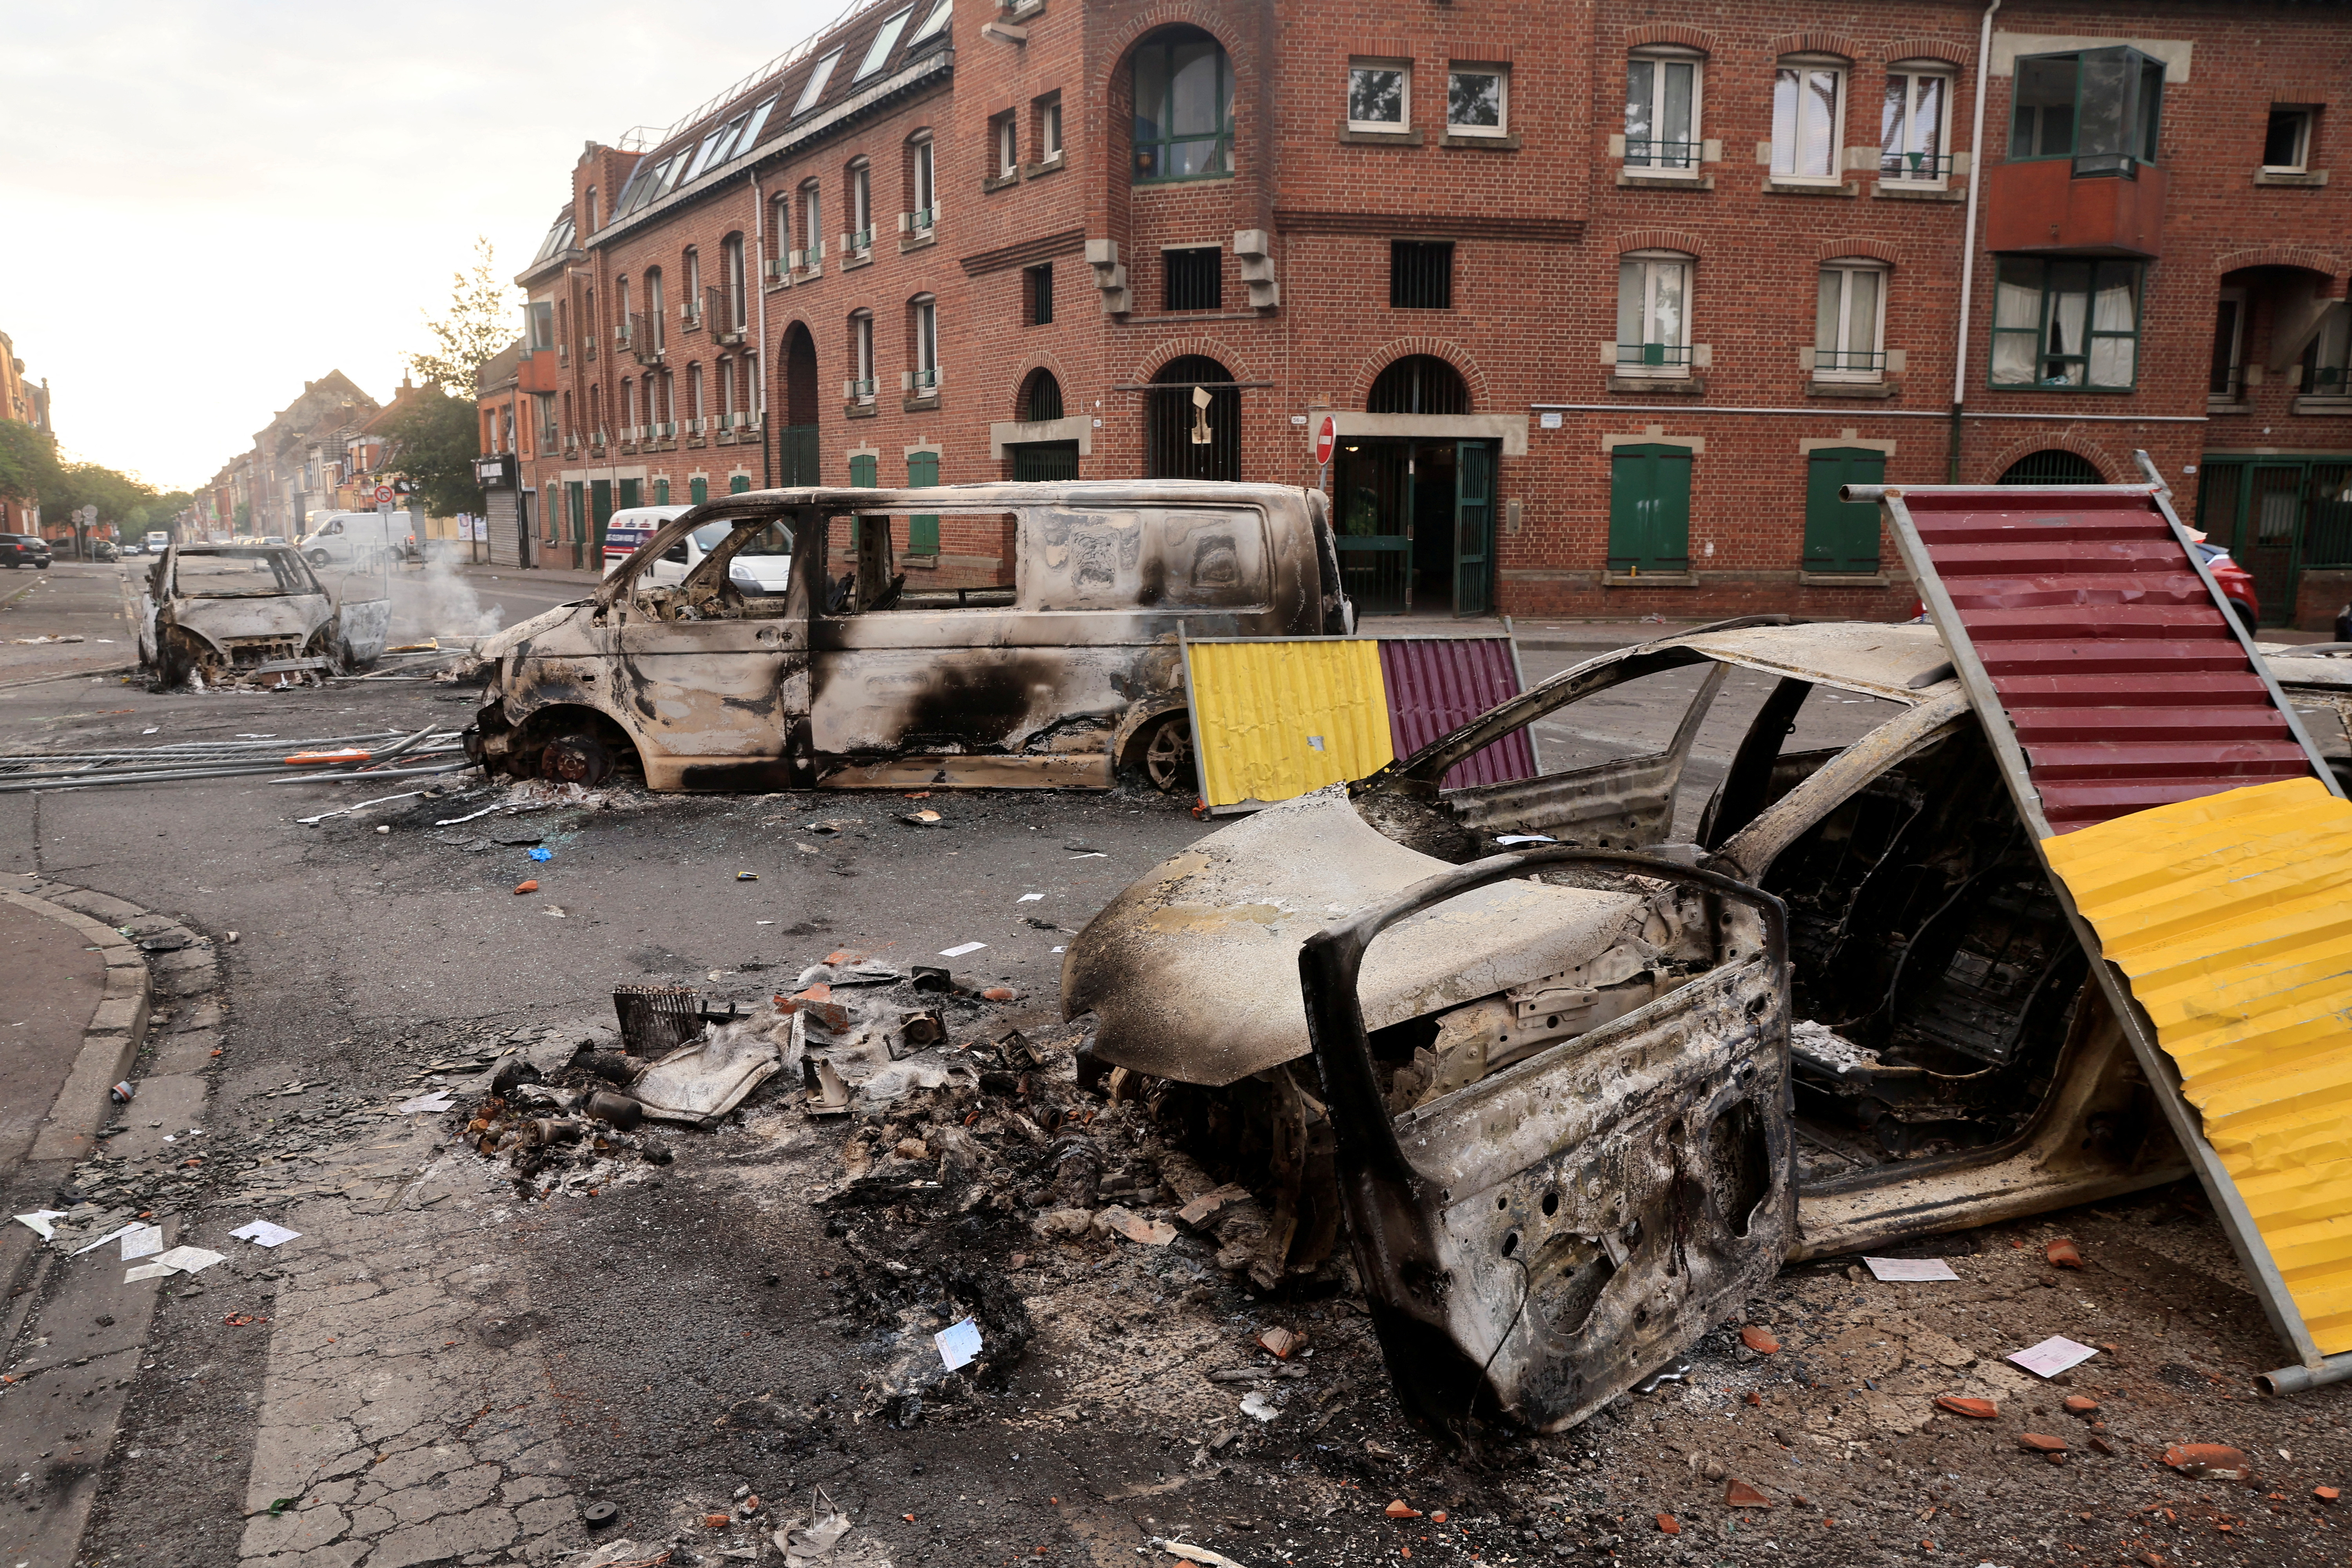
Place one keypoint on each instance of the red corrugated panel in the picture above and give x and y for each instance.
(2126, 686)
(1436, 685)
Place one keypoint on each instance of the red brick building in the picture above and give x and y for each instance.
(1602, 307)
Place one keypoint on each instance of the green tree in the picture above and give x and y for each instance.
(480, 322)
(435, 440)
(28, 461)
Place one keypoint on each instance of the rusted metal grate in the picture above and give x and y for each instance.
(2127, 683)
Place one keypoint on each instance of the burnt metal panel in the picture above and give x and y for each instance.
(1436, 685)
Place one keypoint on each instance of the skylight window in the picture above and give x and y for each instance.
(935, 22)
(751, 136)
(877, 53)
(817, 78)
(714, 148)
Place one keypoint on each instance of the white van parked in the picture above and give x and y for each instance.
(761, 567)
(358, 541)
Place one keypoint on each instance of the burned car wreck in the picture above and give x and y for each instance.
(1051, 659)
(1576, 1101)
(213, 613)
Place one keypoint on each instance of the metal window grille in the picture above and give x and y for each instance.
(2052, 467)
(1044, 397)
(1418, 384)
(1421, 274)
(1195, 278)
(1041, 297)
(1173, 418)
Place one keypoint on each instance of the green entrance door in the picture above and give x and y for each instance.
(629, 489)
(1649, 509)
(1373, 509)
(796, 456)
(1841, 535)
(600, 510)
(1474, 528)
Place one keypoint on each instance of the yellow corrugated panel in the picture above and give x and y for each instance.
(2233, 916)
(1278, 719)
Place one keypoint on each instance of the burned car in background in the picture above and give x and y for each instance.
(1554, 1096)
(216, 613)
(1054, 660)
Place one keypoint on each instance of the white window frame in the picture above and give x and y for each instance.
(1653, 264)
(937, 19)
(1008, 144)
(1911, 73)
(861, 206)
(693, 401)
(2308, 116)
(1049, 130)
(1655, 58)
(926, 376)
(927, 187)
(886, 38)
(1845, 267)
(813, 89)
(1502, 73)
(1802, 67)
(861, 357)
(1403, 122)
(724, 373)
(812, 219)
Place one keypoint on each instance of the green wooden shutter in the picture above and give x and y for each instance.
(600, 510)
(661, 492)
(575, 512)
(1841, 535)
(629, 494)
(738, 484)
(864, 471)
(922, 532)
(1649, 509)
(1474, 528)
(697, 490)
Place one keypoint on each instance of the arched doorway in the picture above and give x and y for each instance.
(2052, 466)
(1189, 438)
(1041, 462)
(1414, 499)
(796, 445)
(1418, 384)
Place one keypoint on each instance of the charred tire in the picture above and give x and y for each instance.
(576, 759)
(1162, 753)
(42, 564)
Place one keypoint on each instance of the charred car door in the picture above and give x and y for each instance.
(1535, 1243)
(712, 683)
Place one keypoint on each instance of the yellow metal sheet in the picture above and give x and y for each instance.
(2233, 916)
(1275, 718)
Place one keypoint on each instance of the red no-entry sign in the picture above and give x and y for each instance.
(1327, 435)
(383, 492)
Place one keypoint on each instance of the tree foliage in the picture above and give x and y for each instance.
(480, 322)
(435, 440)
(28, 459)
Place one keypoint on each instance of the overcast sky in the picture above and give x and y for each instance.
(210, 201)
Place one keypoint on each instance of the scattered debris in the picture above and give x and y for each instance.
(961, 949)
(1739, 1494)
(1280, 1343)
(530, 886)
(2053, 1356)
(1191, 1553)
(959, 1343)
(1399, 1509)
(1909, 1269)
(42, 1222)
(436, 1101)
(2210, 1461)
(2062, 1254)
(262, 1233)
(1962, 1404)
(1760, 1340)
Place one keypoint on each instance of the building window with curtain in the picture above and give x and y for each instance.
(1850, 322)
(923, 345)
(1183, 88)
(1808, 112)
(1662, 102)
(861, 358)
(2067, 326)
(1653, 315)
(1914, 125)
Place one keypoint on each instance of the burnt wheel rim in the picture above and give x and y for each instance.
(575, 758)
(1168, 761)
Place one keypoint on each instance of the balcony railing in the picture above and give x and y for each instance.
(1649, 152)
(1851, 361)
(924, 379)
(862, 391)
(920, 221)
(1652, 355)
(862, 240)
(1919, 166)
(779, 268)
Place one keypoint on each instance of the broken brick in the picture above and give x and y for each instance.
(1668, 1524)
(2080, 1405)
(1399, 1509)
(1280, 1343)
(2041, 1442)
(1739, 1494)
(1760, 1340)
(2325, 1494)
(2063, 1253)
(2102, 1446)
(529, 887)
(1961, 1404)
(2210, 1461)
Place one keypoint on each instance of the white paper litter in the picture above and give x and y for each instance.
(1909, 1269)
(141, 1241)
(961, 949)
(437, 1101)
(102, 1241)
(2053, 1356)
(147, 1272)
(42, 1222)
(1091, 855)
(261, 1233)
(959, 1343)
(1031, 899)
(1259, 1408)
(191, 1259)
(1508, 839)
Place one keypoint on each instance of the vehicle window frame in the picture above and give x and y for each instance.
(1749, 853)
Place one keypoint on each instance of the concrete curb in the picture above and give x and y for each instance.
(110, 1041)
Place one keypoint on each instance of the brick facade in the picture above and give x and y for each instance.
(1541, 210)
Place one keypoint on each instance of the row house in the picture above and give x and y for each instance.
(1600, 306)
(300, 458)
(27, 403)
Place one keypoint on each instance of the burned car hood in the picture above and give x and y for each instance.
(497, 645)
(293, 616)
(1223, 999)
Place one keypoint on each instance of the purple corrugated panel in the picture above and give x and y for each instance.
(2114, 664)
(1436, 685)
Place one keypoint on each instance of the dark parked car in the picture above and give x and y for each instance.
(24, 550)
